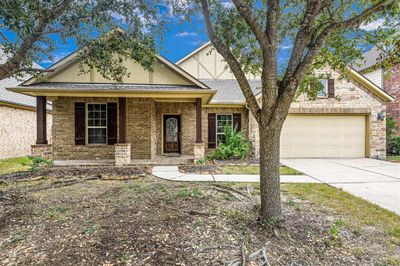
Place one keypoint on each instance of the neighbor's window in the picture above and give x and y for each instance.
(324, 91)
(97, 123)
(222, 121)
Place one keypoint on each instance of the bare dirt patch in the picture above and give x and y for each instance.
(148, 221)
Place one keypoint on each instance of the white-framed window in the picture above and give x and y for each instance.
(96, 123)
(324, 92)
(222, 121)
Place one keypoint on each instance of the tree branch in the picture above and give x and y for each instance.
(12, 65)
(245, 11)
(234, 65)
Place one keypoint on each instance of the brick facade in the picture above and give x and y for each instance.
(144, 127)
(350, 98)
(18, 131)
(392, 86)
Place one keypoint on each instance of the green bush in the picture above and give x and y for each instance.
(40, 164)
(236, 145)
(392, 141)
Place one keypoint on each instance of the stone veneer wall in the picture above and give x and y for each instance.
(64, 147)
(392, 86)
(350, 97)
(18, 131)
(223, 110)
(140, 126)
(188, 124)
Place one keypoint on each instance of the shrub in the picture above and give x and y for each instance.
(392, 141)
(236, 145)
(40, 164)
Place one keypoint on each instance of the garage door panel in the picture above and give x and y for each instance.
(323, 136)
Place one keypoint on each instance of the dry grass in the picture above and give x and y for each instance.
(14, 165)
(149, 221)
(254, 170)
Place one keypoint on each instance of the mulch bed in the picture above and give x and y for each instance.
(109, 172)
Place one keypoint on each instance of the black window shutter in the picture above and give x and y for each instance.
(80, 119)
(331, 88)
(112, 123)
(212, 134)
(237, 122)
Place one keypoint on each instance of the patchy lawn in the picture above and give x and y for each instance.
(393, 158)
(254, 169)
(148, 221)
(14, 165)
(232, 169)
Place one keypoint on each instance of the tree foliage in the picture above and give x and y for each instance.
(39, 27)
(322, 34)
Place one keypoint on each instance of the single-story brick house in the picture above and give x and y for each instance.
(17, 118)
(178, 111)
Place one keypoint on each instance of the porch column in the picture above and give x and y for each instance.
(41, 123)
(122, 120)
(199, 147)
(122, 149)
(198, 121)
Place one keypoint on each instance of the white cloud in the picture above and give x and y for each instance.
(285, 47)
(228, 4)
(374, 25)
(196, 43)
(186, 34)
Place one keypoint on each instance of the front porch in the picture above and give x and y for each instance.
(121, 131)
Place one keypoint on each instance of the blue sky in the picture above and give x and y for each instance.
(179, 39)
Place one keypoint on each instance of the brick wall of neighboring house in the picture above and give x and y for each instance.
(18, 131)
(350, 98)
(392, 86)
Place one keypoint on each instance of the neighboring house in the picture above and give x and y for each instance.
(17, 119)
(387, 79)
(178, 112)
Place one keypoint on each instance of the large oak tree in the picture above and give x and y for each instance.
(249, 34)
(32, 30)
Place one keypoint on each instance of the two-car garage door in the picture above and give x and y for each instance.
(323, 136)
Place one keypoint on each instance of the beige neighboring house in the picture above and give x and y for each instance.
(17, 119)
(177, 112)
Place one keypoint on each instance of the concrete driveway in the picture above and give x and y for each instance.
(373, 180)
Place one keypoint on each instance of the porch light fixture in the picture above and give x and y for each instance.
(381, 116)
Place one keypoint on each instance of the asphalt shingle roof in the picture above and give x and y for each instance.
(13, 97)
(228, 90)
(371, 58)
(109, 86)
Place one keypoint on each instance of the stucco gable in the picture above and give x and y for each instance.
(206, 63)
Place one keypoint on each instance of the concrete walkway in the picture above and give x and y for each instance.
(172, 173)
(373, 180)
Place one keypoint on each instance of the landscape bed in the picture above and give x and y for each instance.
(149, 221)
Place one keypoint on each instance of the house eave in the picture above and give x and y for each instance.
(206, 95)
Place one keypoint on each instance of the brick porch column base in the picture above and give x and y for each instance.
(122, 153)
(198, 151)
(42, 150)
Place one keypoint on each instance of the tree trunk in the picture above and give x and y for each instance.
(270, 191)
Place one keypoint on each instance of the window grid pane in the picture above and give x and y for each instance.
(222, 121)
(97, 123)
(324, 91)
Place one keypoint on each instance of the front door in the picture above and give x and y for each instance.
(172, 133)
